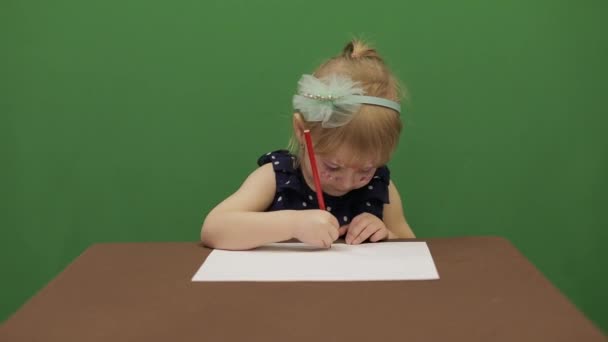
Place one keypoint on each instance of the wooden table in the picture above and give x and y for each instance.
(143, 292)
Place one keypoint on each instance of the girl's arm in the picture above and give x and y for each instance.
(239, 222)
(393, 216)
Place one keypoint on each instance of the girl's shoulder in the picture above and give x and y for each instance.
(290, 187)
(282, 161)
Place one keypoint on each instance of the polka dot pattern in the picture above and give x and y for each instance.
(293, 192)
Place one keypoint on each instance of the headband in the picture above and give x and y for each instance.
(333, 99)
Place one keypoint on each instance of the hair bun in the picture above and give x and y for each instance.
(356, 49)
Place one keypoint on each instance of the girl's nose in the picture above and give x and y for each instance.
(347, 183)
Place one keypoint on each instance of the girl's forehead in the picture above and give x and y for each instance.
(348, 158)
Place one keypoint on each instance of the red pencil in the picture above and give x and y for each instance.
(315, 171)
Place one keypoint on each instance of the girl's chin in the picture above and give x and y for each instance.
(335, 193)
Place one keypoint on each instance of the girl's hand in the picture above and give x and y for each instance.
(362, 227)
(315, 227)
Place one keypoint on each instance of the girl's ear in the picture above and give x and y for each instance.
(298, 127)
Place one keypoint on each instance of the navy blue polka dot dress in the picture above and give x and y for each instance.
(292, 191)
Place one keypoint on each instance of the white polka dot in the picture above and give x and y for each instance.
(304, 204)
(370, 187)
(280, 198)
(273, 157)
(328, 208)
(345, 218)
(268, 153)
(287, 182)
(376, 177)
(368, 204)
(276, 163)
(310, 197)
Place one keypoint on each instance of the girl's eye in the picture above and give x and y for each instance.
(332, 167)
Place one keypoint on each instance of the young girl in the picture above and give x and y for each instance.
(350, 105)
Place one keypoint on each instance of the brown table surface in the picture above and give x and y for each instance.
(143, 292)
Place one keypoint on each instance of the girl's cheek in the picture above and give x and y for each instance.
(329, 176)
(365, 179)
(325, 175)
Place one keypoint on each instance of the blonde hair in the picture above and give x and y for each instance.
(374, 131)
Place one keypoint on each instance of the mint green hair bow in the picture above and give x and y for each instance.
(333, 100)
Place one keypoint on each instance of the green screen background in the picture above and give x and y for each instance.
(129, 120)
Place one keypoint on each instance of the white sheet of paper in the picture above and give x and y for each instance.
(300, 262)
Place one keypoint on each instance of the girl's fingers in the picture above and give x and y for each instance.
(354, 229)
(368, 231)
(379, 235)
